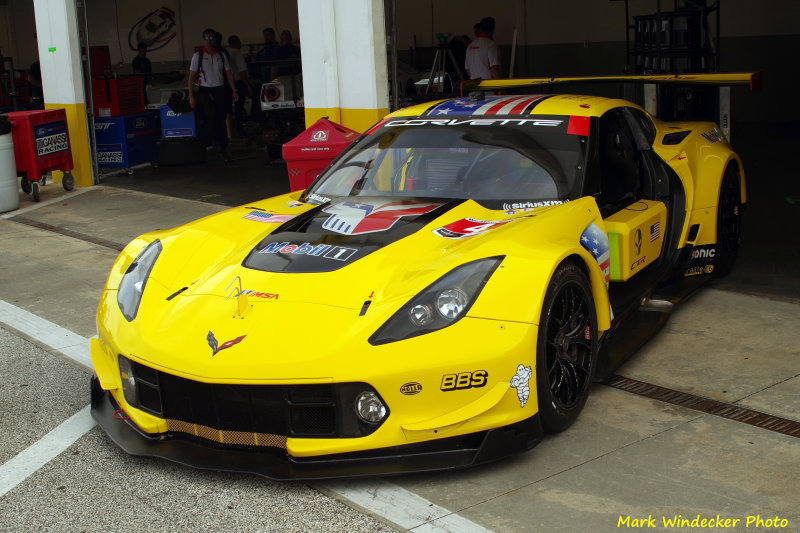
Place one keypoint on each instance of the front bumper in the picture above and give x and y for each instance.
(442, 454)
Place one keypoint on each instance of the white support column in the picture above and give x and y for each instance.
(344, 61)
(62, 76)
(651, 98)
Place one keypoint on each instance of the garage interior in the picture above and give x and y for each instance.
(555, 487)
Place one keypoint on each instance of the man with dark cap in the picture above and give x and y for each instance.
(483, 56)
(210, 72)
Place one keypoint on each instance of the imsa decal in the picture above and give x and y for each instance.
(464, 380)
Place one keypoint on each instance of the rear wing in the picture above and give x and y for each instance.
(722, 80)
(751, 79)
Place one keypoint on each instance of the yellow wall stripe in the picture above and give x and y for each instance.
(78, 142)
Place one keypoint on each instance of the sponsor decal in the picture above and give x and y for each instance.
(356, 218)
(467, 227)
(319, 136)
(637, 242)
(474, 122)
(109, 153)
(271, 218)
(655, 232)
(319, 198)
(295, 204)
(529, 206)
(699, 270)
(464, 380)
(504, 105)
(587, 333)
(216, 348)
(339, 253)
(639, 262)
(256, 294)
(596, 242)
(411, 388)
(713, 136)
(520, 382)
(102, 126)
(510, 212)
(51, 138)
(704, 253)
(171, 113)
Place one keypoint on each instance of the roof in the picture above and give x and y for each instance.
(516, 105)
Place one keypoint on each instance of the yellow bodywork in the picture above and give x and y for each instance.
(311, 330)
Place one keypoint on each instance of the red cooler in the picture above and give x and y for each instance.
(309, 153)
(41, 144)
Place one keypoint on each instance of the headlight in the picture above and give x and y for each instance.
(370, 408)
(439, 305)
(128, 381)
(133, 282)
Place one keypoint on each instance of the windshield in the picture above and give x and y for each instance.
(498, 159)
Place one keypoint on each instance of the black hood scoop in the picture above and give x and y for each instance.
(336, 234)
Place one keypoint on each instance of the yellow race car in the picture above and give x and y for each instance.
(443, 294)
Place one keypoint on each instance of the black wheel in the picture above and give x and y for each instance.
(566, 354)
(729, 221)
(68, 182)
(25, 185)
(35, 191)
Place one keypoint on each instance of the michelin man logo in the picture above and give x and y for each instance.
(520, 382)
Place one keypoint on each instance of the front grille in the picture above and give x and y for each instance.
(249, 415)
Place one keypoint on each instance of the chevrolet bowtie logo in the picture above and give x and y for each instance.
(215, 348)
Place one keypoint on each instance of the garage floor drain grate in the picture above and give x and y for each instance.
(67, 232)
(706, 405)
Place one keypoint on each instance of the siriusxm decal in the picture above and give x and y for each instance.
(339, 253)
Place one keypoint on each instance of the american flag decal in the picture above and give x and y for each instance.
(654, 231)
(260, 216)
(596, 242)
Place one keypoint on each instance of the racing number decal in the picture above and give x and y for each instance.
(464, 380)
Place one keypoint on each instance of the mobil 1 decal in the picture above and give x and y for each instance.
(467, 227)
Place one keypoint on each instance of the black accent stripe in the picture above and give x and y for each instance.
(730, 411)
(69, 233)
(529, 109)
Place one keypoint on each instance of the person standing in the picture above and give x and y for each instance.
(483, 56)
(210, 72)
(241, 79)
(140, 64)
(267, 54)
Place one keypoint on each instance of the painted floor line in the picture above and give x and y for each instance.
(379, 497)
(404, 508)
(26, 463)
(52, 201)
(45, 332)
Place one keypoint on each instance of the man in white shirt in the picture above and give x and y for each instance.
(210, 75)
(483, 56)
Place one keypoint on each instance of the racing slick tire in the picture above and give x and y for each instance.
(566, 355)
(729, 221)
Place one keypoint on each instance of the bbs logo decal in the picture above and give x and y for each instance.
(467, 227)
(464, 380)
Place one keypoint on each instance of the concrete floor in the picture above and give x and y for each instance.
(626, 456)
